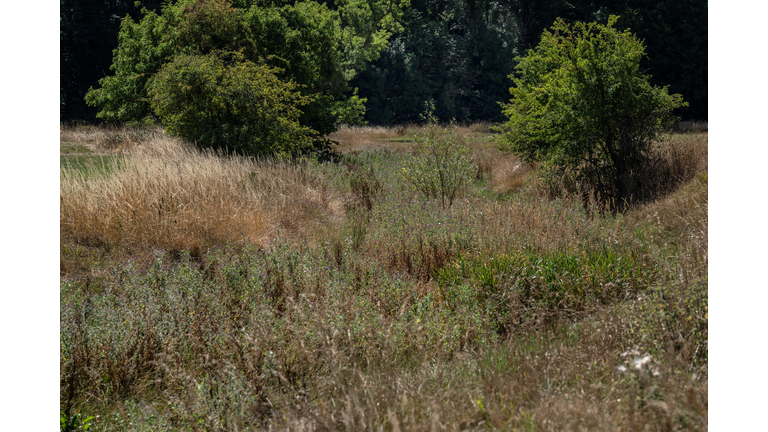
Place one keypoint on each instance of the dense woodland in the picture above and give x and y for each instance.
(458, 53)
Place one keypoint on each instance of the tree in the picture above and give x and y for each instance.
(319, 48)
(455, 52)
(582, 106)
(224, 101)
(674, 33)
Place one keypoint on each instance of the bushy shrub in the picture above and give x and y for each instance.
(582, 106)
(442, 166)
(224, 101)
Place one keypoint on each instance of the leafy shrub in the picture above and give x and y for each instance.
(582, 106)
(222, 100)
(442, 166)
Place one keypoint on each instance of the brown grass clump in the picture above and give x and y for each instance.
(681, 157)
(505, 172)
(113, 138)
(170, 196)
(358, 138)
(354, 139)
(483, 127)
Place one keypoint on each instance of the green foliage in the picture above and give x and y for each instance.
(212, 25)
(318, 48)
(142, 49)
(514, 289)
(582, 106)
(223, 100)
(442, 166)
(351, 111)
(457, 53)
(74, 422)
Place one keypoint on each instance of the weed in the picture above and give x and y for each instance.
(442, 166)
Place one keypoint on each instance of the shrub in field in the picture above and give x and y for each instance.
(222, 100)
(442, 166)
(582, 106)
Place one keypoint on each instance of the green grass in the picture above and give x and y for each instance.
(90, 165)
(79, 158)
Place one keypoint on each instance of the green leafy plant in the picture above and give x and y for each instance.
(222, 100)
(442, 167)
(583, 107)
(75, 422)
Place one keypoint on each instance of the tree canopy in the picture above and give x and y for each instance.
(398, 53)
(460, 52)
(227, 102)
(318, 47)
(582, 105)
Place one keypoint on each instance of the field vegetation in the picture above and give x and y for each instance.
(205, 291)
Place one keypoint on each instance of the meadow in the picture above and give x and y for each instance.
(202, 291)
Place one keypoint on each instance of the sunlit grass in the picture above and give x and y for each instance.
(212, 292)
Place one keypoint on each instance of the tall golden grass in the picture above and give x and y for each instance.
(169, 195)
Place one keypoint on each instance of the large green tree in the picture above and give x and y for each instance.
(674, 33)
(318, 47)
(224, 101)
(582, 105)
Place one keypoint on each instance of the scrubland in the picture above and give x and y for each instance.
(205, 291)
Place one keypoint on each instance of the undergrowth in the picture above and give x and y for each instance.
(349, 302)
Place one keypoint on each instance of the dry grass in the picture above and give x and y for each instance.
(505, 172)
(170, 196)
(119, 139)
(375, 309)
(683, 157)
(354, 139)
(543, 381)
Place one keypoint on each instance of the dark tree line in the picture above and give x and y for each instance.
(457, 53)
(88, 34)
